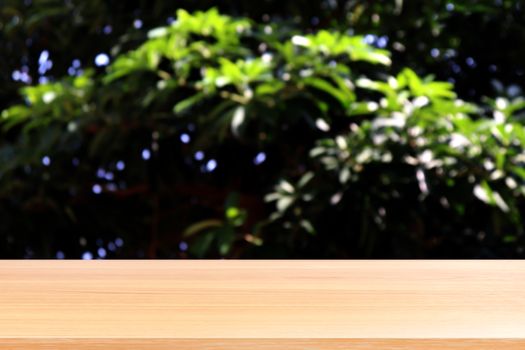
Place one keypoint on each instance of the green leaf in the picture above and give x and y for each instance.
(269, 88)
(284, 202)
(509, 239)
(202, 226)
(189, 102)
(307, 225)
(305, 179)
(232, 212)
(518, 170)
(202, 244)
(225, 240)
(345, 97)
(484, 193)
(362, 108)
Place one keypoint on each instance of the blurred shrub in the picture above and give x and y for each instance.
(363, 160)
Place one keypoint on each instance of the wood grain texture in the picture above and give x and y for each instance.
(262, 304)
(261, 344)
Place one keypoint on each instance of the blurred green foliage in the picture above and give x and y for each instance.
(227, 136)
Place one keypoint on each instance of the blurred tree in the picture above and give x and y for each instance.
(168, 142)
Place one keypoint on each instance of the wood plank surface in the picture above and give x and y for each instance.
(288, 304)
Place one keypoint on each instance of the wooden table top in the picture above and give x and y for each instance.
(289, 304)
